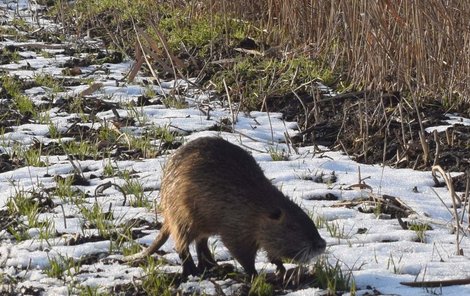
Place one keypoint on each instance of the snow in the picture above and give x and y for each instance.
(379, 258)
(453, 120)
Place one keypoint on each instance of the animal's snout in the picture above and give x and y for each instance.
(320, 245)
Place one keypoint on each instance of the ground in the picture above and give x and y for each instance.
(80, 173)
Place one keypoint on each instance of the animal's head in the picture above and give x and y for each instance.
(286, 231)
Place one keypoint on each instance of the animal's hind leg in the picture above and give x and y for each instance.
(183, 239)
(204, 256)
(189, 268)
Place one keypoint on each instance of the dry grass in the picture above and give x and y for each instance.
(419, 47)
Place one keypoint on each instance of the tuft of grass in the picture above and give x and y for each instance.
(47, 230)
(81, 149)
(13, 88)
(54, 132)
(108, 169)
(76, 105)
(26, 209)
(32, 157)
(135, 188)
(49, 81)
(144, 144)
(24, 105)
(335, 230)
(21, 203)
(120, 241)
(20, 234)
(60, 266)
(174, 102)
(66, 192)
(138, 114)
(131, 248)
(278, 154)
(43, 117)
(91, 291)
(64, 189)
(164, 134)
(105, 133)
(393, 264)
(200, 31)
(13, 32)
(260, 287)
(319, 220)
(9, 56)
(46, 54)
(98, 219)
(420, 230)
(153, 141)
(155, 281)
(378, 209)
(332, 278)
(21, 24)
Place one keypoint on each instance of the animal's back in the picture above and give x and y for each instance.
(206, 159)
(210, 184)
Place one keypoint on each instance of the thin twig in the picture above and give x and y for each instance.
(456, 202)
(230, 104)
(63, 214)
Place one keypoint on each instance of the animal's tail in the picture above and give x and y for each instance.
(161, 238)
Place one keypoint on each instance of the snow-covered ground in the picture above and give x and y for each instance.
(377, 251)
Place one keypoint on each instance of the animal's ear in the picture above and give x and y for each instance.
(276, 214)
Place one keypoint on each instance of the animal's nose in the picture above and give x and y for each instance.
(321, 244)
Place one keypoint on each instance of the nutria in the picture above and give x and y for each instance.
(213, 187)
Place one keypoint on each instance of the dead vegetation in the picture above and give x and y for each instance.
(406, 46)
(397, 66)
(266, 56)
(417, 48)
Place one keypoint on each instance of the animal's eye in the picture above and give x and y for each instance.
(276, 214)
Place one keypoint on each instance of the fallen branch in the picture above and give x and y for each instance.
(387, 201)
(90, 90)
(432, 284)
(102, 187)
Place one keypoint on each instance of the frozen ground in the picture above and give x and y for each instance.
(374, 248)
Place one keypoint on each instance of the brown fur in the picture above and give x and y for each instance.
(212, 187)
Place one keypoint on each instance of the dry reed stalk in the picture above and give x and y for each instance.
(143, 49)
(421, 133)
(139, 61)
(91, 89)
(395, 45)
(456, 203)
(466, 199)
(234, 119)
(152, 50)
(467, 195)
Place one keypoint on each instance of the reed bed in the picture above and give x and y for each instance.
(422, 47)
(418, 48)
